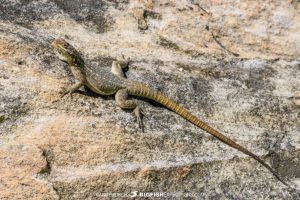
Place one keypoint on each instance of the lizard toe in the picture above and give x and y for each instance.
(139, 116)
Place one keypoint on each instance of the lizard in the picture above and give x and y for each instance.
(104, 81)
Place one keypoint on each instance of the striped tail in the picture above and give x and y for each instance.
(138, 89)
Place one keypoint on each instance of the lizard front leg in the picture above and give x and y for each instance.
(122, 100)
(74, 87)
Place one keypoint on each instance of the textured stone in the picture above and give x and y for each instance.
(234, 64)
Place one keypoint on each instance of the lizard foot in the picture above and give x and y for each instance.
(124, 62)
(139, 116)
(67, 92)
(72, 89)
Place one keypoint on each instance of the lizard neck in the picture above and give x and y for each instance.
(77, 66)
(77, 61)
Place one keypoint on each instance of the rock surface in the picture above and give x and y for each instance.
(234, 64)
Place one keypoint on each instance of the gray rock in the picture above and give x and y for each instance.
(235, 65)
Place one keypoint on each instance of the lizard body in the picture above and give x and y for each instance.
(105, 82)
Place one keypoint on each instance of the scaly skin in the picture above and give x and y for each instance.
(105, 82)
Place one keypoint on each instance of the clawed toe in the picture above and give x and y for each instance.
(67, 92)
(125, 61)
(72, 89)
(139, 116)
(64, 93)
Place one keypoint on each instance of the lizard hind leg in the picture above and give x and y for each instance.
(122, 101)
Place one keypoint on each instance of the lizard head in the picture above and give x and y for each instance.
(67, 52)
